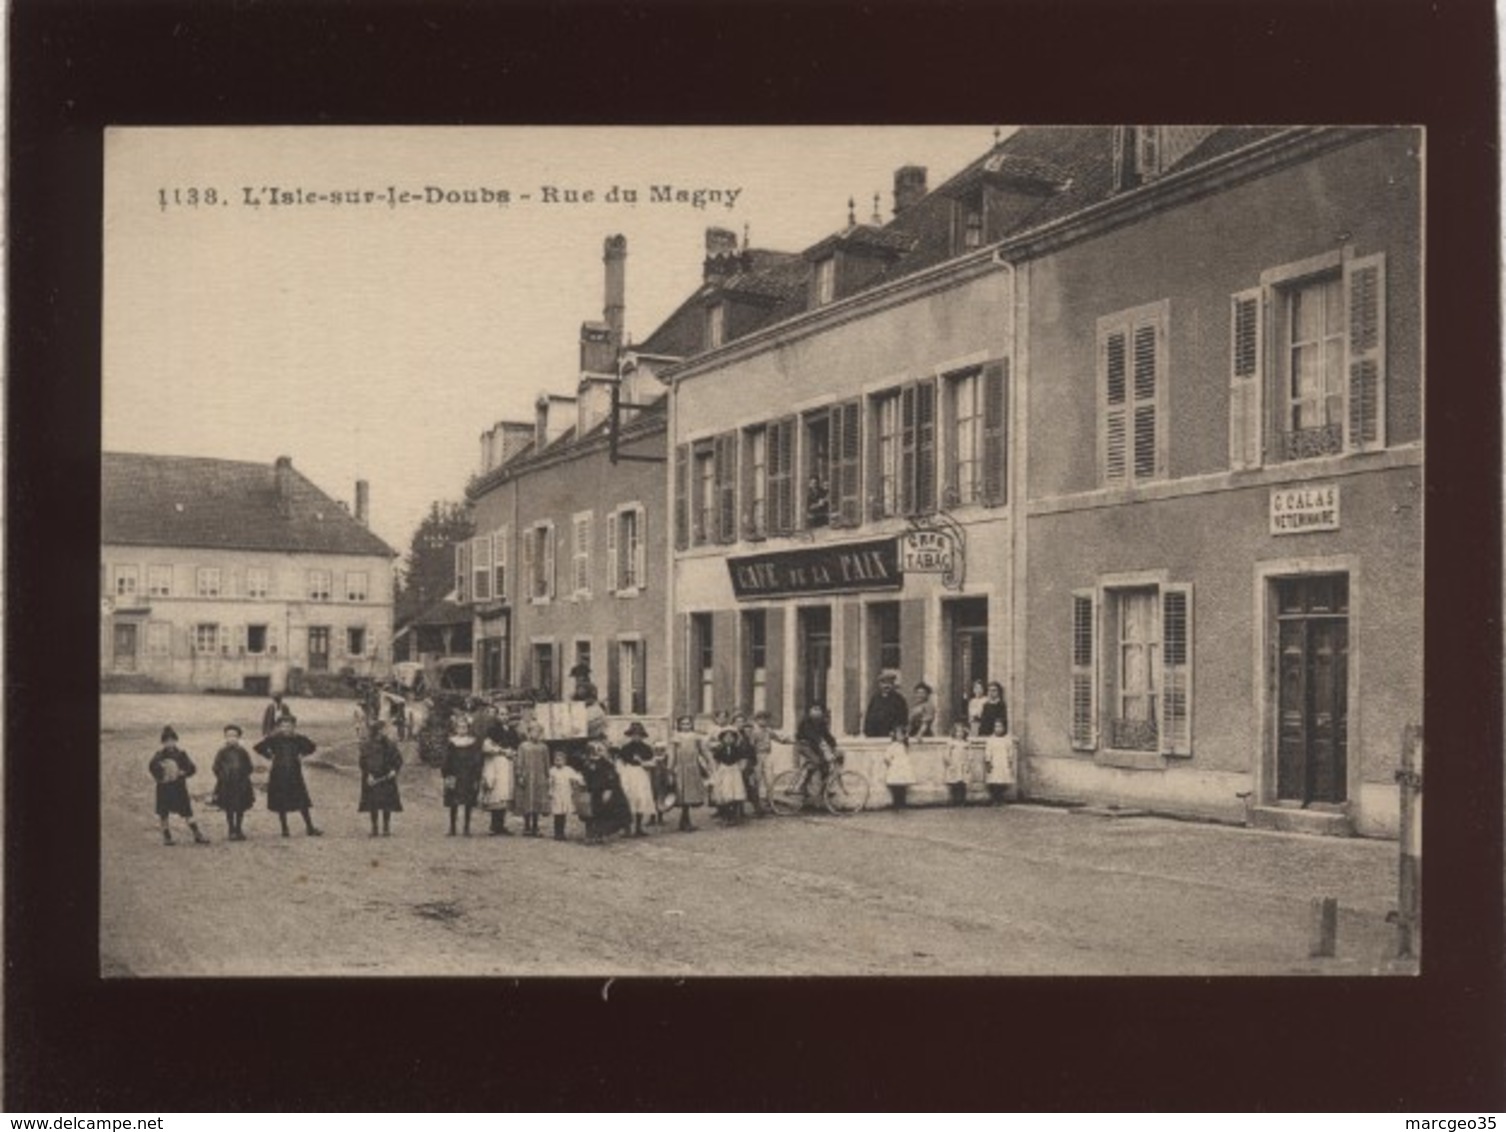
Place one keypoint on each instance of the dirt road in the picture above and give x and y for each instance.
(1022, 890)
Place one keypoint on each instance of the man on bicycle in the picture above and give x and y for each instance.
(814, 742)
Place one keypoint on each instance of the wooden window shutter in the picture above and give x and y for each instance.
(1084, 684)
(639, 551)
(1113, 389)
(925, 446)
(725, 455)
(530, 559)
(499, 558)
(847, 462)
(745, 485)
(1146, 347)
(995, 378)
(461, 571)
(614, 677)
(1176, 670)
(547, 534)
(1365, 297)
(240, 640)
(723, 639)
(481, 568)
(272, 640)
(614, 565)
(781, 458)
(682, 497)
(1246, 377)
(907, 450)
(640, 680)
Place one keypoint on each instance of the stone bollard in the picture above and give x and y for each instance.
(1325, 927)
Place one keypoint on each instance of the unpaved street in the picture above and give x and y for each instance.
(1023, 890)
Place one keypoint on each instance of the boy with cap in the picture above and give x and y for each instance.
(171, 768)
(233, 792)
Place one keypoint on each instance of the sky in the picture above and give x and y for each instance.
(373, 340)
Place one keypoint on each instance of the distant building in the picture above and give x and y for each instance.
(222, 574)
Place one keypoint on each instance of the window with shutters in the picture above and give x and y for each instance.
(355, 641)
(682, 496)
(127, 581)
(883, 636)
(319, 585)
(1143, 681)
(206, 637)
(703, 493)
(1132, 394)
(207, 579)
(256, 639)
(159, 582)
(965, 435)
(481, 568)
(1307, 369)
(538, 546)
(258, 582)
(903, 480)
(356, 584)
(319, 648)
(580, 554)
(816, 470)
(756, 483)
(626, 549)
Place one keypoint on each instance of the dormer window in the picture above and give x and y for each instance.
(969, 233)
(716, 325)
(826, 280)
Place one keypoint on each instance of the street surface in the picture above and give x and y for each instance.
(1022, 890)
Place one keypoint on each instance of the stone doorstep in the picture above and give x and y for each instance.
(1285, 819)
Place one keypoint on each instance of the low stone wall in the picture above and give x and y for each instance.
(867, 757)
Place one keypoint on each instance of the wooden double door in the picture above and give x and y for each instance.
(1312, 646)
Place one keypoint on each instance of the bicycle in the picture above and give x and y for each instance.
(841, 790)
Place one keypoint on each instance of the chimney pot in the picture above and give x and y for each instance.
(363, 503)
(614, 255)
(909, 187)
(721, 253)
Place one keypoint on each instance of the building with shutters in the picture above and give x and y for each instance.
(1221, 399)
(227, 575)
(1126, 418)
(843, 475)
(567, 566)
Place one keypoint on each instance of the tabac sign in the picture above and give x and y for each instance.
(1296, 510)
(826, 569)
(930, 551)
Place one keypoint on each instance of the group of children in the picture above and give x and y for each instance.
(959, 764)
(234, 794)
(499, 770)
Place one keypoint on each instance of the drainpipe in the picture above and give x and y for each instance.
(1015, 440)
(672, 586)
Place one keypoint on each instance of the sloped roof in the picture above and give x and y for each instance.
(442, 612)
(1055, 172)
(196, 501)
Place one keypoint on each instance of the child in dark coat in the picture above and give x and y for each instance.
(171, 768)
(380, 761)
(233, 791)
(286, 791)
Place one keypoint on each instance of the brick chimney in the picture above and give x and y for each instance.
(282, 472)
(614, 255)
(721, 254)
(909, 187)
(363, 503)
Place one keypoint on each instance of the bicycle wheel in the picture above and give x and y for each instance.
(847, 792)
(787, 793)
